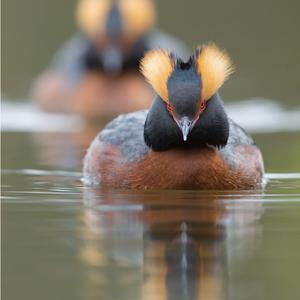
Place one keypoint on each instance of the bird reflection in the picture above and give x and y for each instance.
(183, 266)
(64, 149)
(180, 244)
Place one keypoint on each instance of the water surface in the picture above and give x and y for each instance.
(65, 241)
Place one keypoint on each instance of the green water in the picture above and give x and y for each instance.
(63, 241)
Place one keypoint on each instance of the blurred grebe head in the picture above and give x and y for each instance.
(115, 26)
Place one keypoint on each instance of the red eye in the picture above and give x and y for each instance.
(169, 108)
(202, 107)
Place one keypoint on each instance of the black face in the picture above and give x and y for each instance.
(184, 92)
(161, 132)
(184, 87)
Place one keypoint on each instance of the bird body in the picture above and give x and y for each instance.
(119, 158)
(185, 140)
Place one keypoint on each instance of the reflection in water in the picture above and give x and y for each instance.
(183, 262)
(167, 250)
(147, 244)
(64, 149)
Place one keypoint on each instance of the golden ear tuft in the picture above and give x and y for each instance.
(157, 66)
(139, 16)
(214, 66)
(91, 16)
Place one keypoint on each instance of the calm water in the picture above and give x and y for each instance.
(61, 240)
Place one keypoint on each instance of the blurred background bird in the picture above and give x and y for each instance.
(95, 74)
